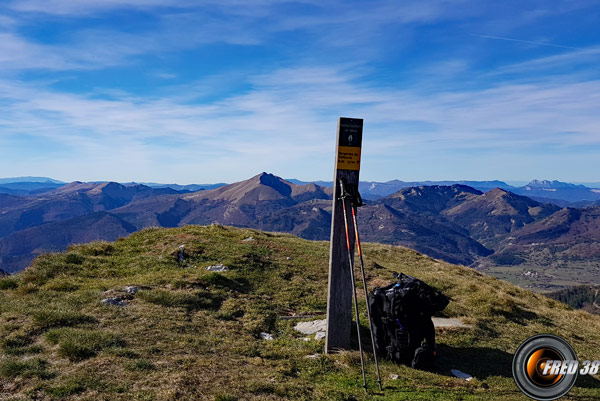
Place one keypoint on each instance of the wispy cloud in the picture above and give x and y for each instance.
(529, 42)
(563, 63)
(288, 116)
(185, 24)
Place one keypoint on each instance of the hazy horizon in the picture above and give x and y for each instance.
(515, 183)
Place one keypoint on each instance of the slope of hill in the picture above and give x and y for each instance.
(430, 200)
(69, 201)
(485, 217)
(28, 188)
(107, 195)
(182, 188)
(558, 202)
(582, 204)
(263, 187)
(195, 335)
(586, 297)
(432, 236)
(8, 201)
(567, 234)
(559, 251)
(490, 217)
(19, 249)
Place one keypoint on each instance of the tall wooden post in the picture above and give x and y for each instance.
(339, 297)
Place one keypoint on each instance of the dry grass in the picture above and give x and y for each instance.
(190, 334)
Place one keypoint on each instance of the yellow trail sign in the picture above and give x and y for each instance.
(348, 158)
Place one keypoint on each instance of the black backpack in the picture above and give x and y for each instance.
(402, 325)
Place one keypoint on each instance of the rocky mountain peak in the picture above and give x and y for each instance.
(552, 184)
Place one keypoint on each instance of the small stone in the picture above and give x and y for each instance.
(313, 356)
(249, 239)
(394, 377)
(266, 336)
(306, 338)
(132, 289)
(220, 267)
(289, 258)
(115, 301)
(319, 335)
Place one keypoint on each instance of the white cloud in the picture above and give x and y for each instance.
(288, 119)
(582, 58)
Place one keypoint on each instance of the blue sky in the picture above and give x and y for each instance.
(204, 91)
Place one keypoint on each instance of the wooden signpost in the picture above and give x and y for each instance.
(339, 297)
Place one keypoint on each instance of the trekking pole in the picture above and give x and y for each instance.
(362, 361)
(362, 271)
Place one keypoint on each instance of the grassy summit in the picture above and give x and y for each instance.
(193, 334)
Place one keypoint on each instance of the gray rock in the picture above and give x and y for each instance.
(115, 301)
(316, 327)
(311, 327)
(249, 239)
(132, 289)
(220, 267)
(449, 322)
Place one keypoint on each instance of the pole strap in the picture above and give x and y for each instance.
(350, 192)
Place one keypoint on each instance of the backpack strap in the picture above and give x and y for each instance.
(429, 331)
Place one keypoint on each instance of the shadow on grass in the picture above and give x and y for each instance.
(479, 362)
(483, 362)
(587, 382)
(241, 285)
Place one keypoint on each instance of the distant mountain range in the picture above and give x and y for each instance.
(37, 185)
(456, 223)
(30, 179)
(562, 194)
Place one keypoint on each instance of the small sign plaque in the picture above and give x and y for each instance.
(348, 158)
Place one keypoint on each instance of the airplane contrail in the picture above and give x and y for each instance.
(527, 41)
